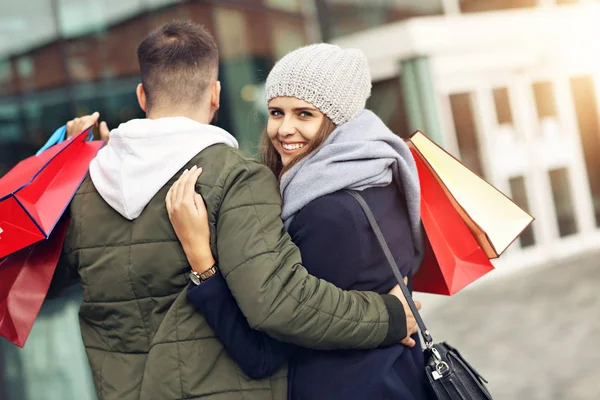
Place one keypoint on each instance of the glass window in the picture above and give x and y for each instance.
(25, 24)
(82, 62)
(563, 201)
(25, 67)
(468, 6)
(544, 99)
(466, 131)
(288, 34)
(10, 129)
(78, 18)
(284, 5)
(502, 104)
(342, 17)
(388, 103)
(519, 196)
(6, 77)
(237, 71)
(120, 42)
(77, 50)
(586, 107)
(231, 31)
(195, 11)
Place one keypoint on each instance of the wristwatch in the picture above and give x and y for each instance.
(198, 278)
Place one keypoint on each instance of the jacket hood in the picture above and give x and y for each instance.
(143, 154)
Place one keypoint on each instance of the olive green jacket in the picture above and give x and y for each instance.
(145, 341)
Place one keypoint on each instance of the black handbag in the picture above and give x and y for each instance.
(448, 375)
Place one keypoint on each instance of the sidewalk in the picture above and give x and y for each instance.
(533, 336)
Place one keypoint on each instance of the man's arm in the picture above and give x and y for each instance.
(263, 269)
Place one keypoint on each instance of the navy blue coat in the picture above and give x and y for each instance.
(337, 245)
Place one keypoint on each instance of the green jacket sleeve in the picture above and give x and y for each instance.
(264, 272)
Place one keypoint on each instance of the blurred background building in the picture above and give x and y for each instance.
(509, 86)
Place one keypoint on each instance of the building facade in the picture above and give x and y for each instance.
(60, 59)
(513, 92)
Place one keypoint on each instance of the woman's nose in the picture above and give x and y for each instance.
(287, 128)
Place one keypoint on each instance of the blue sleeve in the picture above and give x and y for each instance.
(257, 354)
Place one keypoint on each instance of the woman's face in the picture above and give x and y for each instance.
(292, 126)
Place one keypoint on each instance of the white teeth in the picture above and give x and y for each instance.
(292, 146)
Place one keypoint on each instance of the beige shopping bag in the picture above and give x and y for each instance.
(494, 219)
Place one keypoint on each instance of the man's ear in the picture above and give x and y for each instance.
(141, 96)
(215, 96)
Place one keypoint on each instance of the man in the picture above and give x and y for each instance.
(142, 338)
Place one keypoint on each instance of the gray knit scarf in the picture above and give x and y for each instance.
(359, 154)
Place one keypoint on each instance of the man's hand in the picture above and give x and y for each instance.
(77, 125)
(411, 322)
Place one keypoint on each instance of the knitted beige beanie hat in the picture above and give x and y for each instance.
(337, 81)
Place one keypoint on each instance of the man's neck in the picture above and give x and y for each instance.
(198, 116)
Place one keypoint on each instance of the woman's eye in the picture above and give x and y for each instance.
(305, 114)
(275, 113)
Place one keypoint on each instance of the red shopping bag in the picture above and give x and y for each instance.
(25, 278)
(36, 192)
(492, 217)
(453, 258)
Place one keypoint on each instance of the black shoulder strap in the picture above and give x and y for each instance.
(390, 258)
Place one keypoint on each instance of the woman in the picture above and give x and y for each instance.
(320, 141)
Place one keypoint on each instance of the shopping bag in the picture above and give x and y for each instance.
(494, 220)
(453, 259)
(25, 278)
(35, 193)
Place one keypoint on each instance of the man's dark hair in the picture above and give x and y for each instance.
(178, 62)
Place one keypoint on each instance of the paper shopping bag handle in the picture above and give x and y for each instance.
(59, 136)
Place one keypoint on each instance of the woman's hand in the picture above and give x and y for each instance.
(411, 322)
(189, 218)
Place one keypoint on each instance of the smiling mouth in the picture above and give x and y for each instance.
(290, 147)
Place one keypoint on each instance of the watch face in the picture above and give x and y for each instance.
(195, 278)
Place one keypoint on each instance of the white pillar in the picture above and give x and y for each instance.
(451, 7)
(537, 182)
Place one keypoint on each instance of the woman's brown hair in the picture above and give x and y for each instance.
(271, 158)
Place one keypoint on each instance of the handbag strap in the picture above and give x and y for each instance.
(390, 258)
